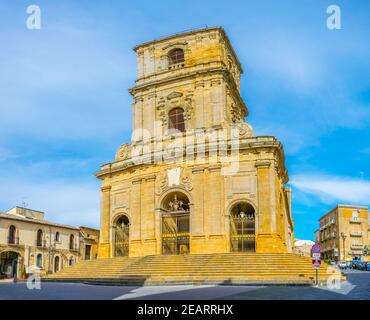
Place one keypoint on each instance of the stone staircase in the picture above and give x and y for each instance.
(224, 268)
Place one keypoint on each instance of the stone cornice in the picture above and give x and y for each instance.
(221, 69)
(263, 164)
(254, 144)
(105, 188)
(189, 33)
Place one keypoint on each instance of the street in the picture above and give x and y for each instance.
(357, 287)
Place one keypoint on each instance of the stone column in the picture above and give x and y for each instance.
(104, 243)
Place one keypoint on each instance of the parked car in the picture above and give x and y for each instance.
(357, 264)
(343, 265)
(365, 266)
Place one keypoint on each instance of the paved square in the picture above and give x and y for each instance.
(356, 288)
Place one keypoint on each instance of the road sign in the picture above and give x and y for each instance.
(316, 263)
(316, 248)
(316, 256)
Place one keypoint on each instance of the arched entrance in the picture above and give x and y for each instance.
(242, 228)
(8, 264)
(56, 263)
(121, 234)
(175, 224)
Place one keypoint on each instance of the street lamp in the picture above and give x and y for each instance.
(344, 245)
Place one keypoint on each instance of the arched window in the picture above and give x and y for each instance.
(176, 119)
(121, 238)
(57, 236)
(39, 260)
(176, 56)
(39, 238)
(11, 239)
(71, 241)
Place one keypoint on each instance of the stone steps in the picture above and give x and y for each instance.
(203, 268)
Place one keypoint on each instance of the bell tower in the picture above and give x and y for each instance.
(186, 82)
(193, 179)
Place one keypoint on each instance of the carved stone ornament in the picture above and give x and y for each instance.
(175, 100)
(176, 205)
(235, 114)
(186, 183)
(162, 183)
(124, 152)
(244, 130)
(174, 95)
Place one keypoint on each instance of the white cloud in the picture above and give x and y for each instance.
(334, 189)
(63, 202)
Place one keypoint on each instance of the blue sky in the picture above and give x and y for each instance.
(65, 108)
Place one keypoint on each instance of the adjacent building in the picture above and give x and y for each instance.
(89, 243)
(27, 241)
(344, 233)
(303, 247)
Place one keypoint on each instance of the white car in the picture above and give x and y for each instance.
(342, 265)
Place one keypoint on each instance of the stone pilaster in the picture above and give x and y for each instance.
(136, 210)
(214, 194)
(267, 238)
(148, 227)
(197, 217)
(104, 243)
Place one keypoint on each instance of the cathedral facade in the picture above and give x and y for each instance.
(194, 178)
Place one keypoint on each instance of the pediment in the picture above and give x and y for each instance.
(174, 95)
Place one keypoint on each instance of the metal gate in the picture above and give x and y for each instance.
(175, 233)
(242, 232)
(121, 240)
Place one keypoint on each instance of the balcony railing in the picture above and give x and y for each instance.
(41, 243)
(356, 234)
(73, 247)
(354, 220)
(176, 66)
(13, 241)
(357, 246)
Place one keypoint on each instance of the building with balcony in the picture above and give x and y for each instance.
(27, 241)
(344, 232)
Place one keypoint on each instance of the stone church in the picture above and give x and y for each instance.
(194, 179)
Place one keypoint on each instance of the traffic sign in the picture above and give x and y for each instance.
(316, 263)
(316, 255)
(316, 248)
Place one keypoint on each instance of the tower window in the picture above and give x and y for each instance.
(11, 239)
(176, 119)
(176, 56)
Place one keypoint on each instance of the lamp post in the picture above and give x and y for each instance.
(344, 245)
